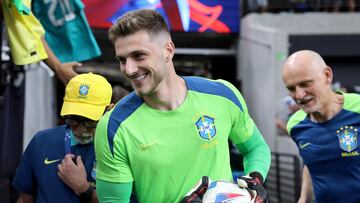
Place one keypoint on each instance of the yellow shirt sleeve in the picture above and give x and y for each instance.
(24, 34)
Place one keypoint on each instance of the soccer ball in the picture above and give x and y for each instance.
(226, 191)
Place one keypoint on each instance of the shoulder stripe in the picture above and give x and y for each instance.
(295, 119)
(122, 111)
(207, 86)
(352, 102)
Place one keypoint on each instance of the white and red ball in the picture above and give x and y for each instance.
(226, 191)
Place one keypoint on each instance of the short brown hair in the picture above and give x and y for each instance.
(143, 19)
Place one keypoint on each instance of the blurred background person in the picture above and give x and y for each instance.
(289, 107)
(118, 93)
(59, 163)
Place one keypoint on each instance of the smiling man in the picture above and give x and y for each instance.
(325, 130)
(59, 163)
(172, 130)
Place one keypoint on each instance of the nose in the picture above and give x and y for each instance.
(299, 93)
(79, 128)
(129, 67)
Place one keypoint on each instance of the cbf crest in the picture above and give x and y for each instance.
(347, 138)
(83, 90)
(206, 127)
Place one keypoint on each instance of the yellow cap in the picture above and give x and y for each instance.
(87, 95)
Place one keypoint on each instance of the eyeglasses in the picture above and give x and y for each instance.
(75, 121)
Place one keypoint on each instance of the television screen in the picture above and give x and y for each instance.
(219, 16)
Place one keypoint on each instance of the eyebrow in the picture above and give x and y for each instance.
(300, 83)
(306, 81)
(139, 52)
(133, 53)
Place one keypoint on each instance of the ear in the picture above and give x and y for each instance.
(109, 107)
(169, 50)
(328, 74)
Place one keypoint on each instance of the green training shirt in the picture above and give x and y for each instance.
(166, 152)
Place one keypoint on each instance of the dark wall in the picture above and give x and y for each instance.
(346, 70)
(327, 45)
(340, 52)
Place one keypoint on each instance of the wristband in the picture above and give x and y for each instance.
(86, 196)
(257, 177)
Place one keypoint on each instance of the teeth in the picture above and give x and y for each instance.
(139, 77)
(304, 100)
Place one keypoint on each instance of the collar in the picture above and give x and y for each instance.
(73, 141)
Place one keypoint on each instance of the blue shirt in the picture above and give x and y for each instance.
(331, 152)
(37, 172)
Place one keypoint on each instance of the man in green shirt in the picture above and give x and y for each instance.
(168, 133)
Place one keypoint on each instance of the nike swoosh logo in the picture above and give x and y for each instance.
(47, 162)
(146, 146)
(302, 146)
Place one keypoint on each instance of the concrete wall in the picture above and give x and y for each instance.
(263, 48)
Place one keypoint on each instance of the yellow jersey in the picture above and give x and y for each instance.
(24, 32)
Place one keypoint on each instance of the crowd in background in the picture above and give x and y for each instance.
(276, 6)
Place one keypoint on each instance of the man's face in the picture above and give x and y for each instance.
(82, 128)
(308, 86)
(142, 61)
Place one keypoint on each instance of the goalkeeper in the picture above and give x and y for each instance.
(172, 130)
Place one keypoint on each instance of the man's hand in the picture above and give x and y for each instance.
(254, 184)
(65, 71)
(73, 174)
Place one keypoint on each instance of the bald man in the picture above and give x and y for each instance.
(325, 130)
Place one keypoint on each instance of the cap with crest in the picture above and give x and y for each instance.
(87, 95)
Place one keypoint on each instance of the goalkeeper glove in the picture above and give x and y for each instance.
(254, 183)
(196, 194)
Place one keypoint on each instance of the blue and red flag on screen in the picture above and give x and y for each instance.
(220, 16)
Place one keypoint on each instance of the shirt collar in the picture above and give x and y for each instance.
(73, 141)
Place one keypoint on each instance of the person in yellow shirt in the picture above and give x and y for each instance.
(26, 39)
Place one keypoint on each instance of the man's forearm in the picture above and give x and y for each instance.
(257, 155)
(52, 61)
(64, 71)
(113, 192)
(306, 187)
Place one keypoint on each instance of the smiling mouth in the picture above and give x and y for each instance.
(138, 78)
(305, 101)
(88, 135)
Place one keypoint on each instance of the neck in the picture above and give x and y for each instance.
(330, 109)
(170, 95)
